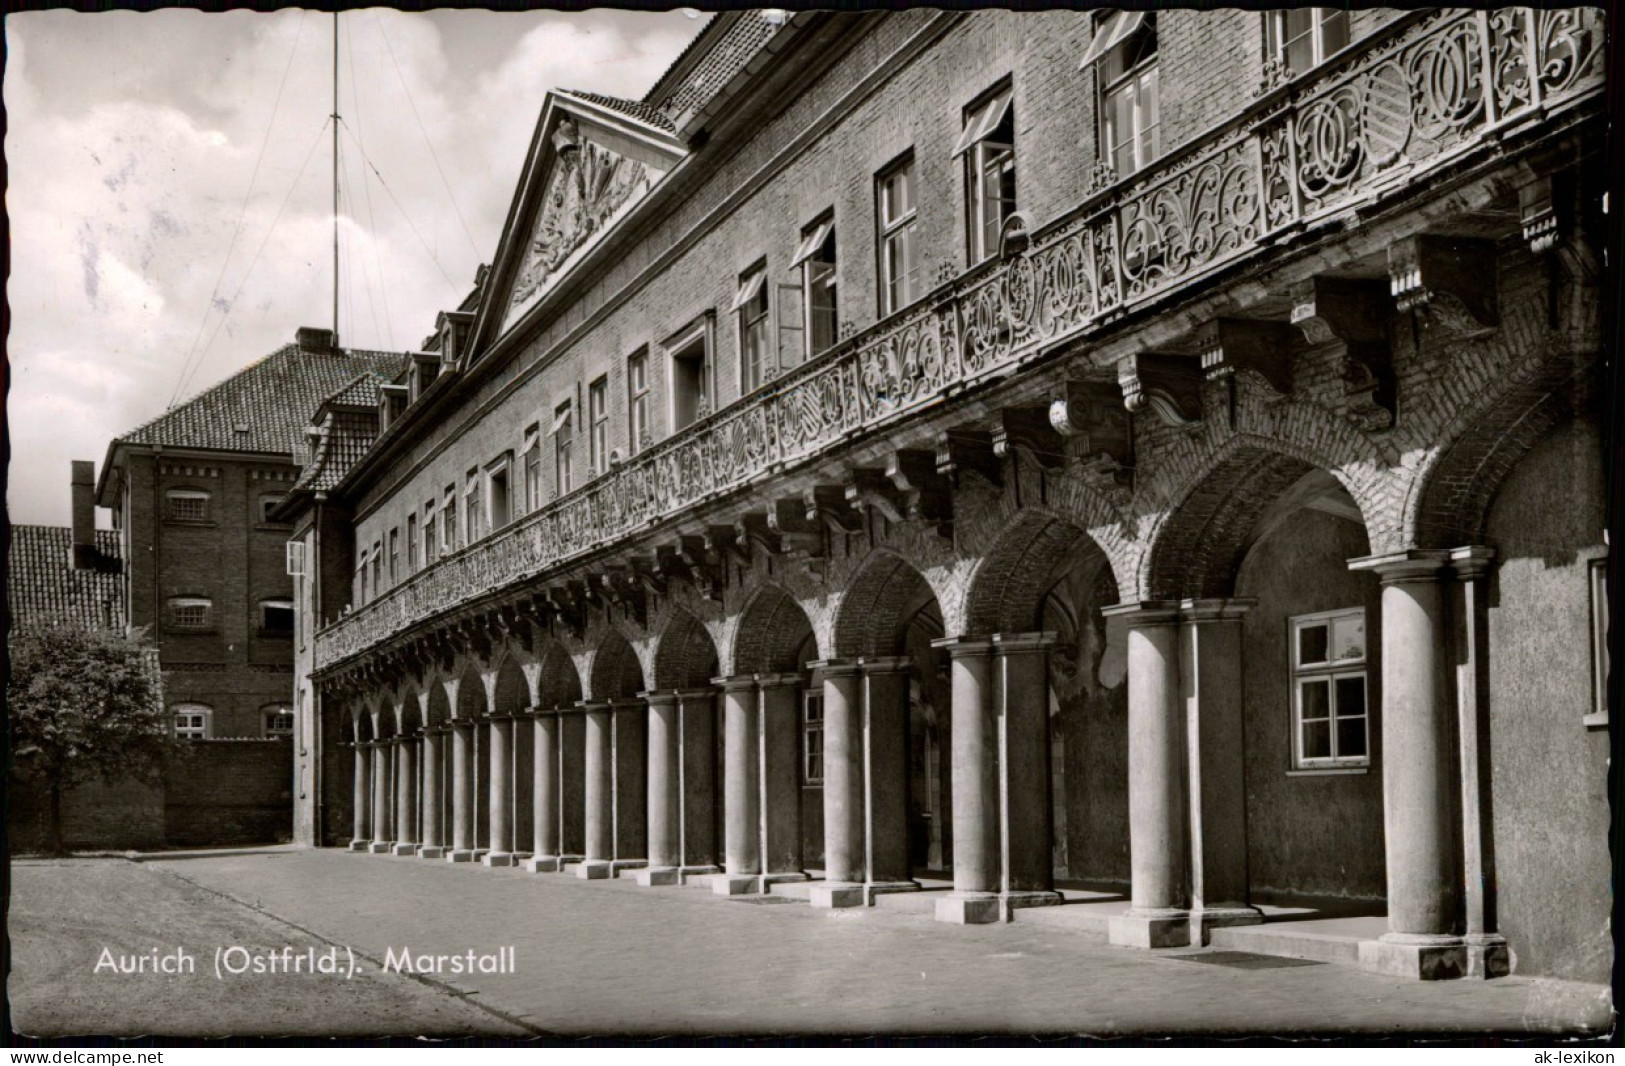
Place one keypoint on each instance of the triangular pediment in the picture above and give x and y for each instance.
(589, 165)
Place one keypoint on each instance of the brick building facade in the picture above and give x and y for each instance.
(1156, 454)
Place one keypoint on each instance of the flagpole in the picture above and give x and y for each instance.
(335, 120)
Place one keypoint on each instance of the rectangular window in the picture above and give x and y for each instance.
(532, 453)
(751, 303)
(276, 617)
(988, 143)
(188, 612)
(192, 725)
(598, 425)
(1599, 643)
(471, 506)
(498, 500)
(1127, 72)
(563, 444)
(377, 567)
(637, 402)
(394, 555)
(295, 561)
(816, 258)
(1330, 722)
(1304, 37)
(812, 734)
(690, 376)
(279, 722)
(430, 537)
(411, 543)
(361, 582)
(448, 520)
(187, 505)
(899, 269)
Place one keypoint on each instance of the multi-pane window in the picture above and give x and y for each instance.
(278, 719)
(598, 425)
(563, 445)
(471, 506)
(1303, 37)
(1330, 722)
(751, 303)
(361, 581)
(186, 505)
(1125, 53)
(276, 617)
(394, 555)
(816, 258)
(1599, 642)
(988, 144)
(191, 720)
(190, 612)
(532, 453)
(812, 737)
(430, 539)
(637, 400)
(690, 377)
(377, 568)
(411, 543)
(448, 520)
(899, 268)
(498, 497)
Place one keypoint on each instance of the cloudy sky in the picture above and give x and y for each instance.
(170, 192)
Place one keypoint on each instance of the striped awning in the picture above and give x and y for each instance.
(983, 121)
(1117, 29)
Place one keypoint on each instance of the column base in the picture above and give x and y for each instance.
(1488, 955)
(685, 873)
(595, 870)
(544, 864)
(431, 851)
(462, 855)
(1206, 919)
(1417, 956)
(871, 889)
(380, 847)
(656, 876)
(617, 865)
(496, 859)
(405, 849)
(1148, 929)
(360, 846)
(832, 895)
(785, 877)
(969, 908)
(736, 884)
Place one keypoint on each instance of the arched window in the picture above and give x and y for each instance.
(276, 618)
(277, 719)
(186, 505)
(191, 612)
(192, 720)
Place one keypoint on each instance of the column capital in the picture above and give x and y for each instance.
(885, 664)
(687, 694)
(1472, 562)
(1024, 643)
(667, 698)
(777, 680)
(1215, 610)
(835, 667)
(626, 703)
(736, 682)
(590, 706)
(1403, 567)
(1145, 612)
(962, 647)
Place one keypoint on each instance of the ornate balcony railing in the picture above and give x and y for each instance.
(1425, 92)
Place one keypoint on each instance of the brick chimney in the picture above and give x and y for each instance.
(85, 556)
(314, 339)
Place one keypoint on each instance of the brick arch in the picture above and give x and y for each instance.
(1449, 499)
(1197, 548)
(772, 629)
(1019, 568)
(885, 593)
(685, 654)
(616, 672)
(360, 723)
(408, 709)
(437, 711)
(470, 694)
(560, 681)
(510, 693)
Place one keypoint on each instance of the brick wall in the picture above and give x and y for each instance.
(124, 814)
(230, 792)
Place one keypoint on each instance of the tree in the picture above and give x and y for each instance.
(84, 703)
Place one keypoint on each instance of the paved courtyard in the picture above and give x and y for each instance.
(612, 958)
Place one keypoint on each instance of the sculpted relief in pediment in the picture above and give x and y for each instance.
(587, 186)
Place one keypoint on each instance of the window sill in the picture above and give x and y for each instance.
(1595, 720)
(273, 527)
(186, 631)
(1328, 771)
(192, 523)
(274, 634)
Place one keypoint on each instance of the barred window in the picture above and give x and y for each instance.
(190, 612)
(186, 505)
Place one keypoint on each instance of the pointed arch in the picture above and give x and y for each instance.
(560, 681)
(616, 672)
(685, 654)
(1033, 552)
(772, 631)
(884, 594)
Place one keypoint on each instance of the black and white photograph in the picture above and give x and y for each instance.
(601, 526)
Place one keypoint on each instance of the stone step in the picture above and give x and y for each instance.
(1334, 940)
(1092, 922)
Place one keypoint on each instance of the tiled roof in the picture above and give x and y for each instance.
(718, 66)
(635, 109)
(266, 406)
(43, 588)
(365, 391)
(346, 434)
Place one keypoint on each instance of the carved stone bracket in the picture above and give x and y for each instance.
(797, 532)
(1356, 314)
(1091, 414)
(1260, 345)
(828, 504)
(1029, 429)
(569, 608)
(622, 588)
(927, 495)
(1169, 386)
(1451, 279)
(872, 488)
(1538, 210)
(962, 450)
(648, 571)
(704, 566)
(724, 541)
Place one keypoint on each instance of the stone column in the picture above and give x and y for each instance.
(501, 793)
(406, 796)
(361, 826)
(697, 782)
(843, 786)
(664, 791)
(462, 792)
(572, 791)
(522, 749)
(885, 775)
(598, 792)
(742, 860)
(545, 795)
(630, 833)
(779, 775)
(434, 842)
(1418, 783)
(381, 841)
(1026, 814)
(1211, 669)
(1487, 952)
(975, 898)
(1158, 915)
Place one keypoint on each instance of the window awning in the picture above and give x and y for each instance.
(749, 286)
(561, 415)
(532, 440)
(983, 121)
(811, 243)
(1114, 32)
